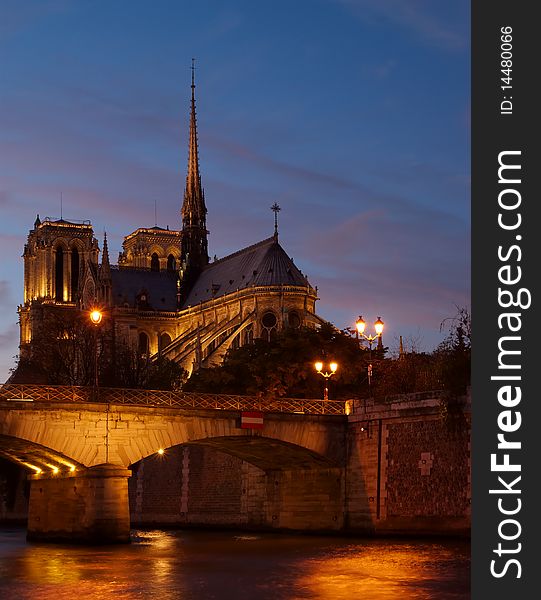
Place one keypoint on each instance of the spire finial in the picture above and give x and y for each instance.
(275, 209)
(193, 75)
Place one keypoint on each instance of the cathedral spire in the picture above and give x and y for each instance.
(105, 256)
(194, 200)
(105, 274)
(194, 250)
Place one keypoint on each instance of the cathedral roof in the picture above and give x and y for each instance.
(158, 287)
(263, 264)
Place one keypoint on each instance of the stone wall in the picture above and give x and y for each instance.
(200, 486)
(409, 468)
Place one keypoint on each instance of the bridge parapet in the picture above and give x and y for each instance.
(18, 393)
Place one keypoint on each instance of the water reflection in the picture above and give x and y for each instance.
(224, 565)
(388, 571)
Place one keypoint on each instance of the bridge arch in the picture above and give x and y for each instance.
(265, 453)
(253, 482)
(36, 458)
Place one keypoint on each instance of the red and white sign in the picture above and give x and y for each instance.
(251, 420)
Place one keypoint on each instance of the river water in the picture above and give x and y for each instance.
(205, 565)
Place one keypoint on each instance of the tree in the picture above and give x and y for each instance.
(454, 353)
(285, 366)
(130, 369)
(63, 352)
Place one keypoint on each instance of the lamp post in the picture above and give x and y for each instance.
(360, 325)
(96, 317)
(327, 374)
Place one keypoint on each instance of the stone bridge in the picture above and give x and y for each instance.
(78, 444)
(397, 466)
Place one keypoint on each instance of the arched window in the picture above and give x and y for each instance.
(165, 340)
(154, 262)
(270, 323)
(171, 263)
(248, 335)
(293, 319)
(74, 274)
(59, 275)
(143, 344)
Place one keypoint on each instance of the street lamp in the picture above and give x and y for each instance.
(319, 368)
(96, 317)
(360, 325)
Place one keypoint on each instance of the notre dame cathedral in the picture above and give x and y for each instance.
(165, 298)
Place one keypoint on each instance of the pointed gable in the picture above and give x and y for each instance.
(263, 264)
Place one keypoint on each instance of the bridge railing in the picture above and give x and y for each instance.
(19, 393)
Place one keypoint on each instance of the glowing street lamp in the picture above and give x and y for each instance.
(95, 317)
(327, 374)
(360, 325)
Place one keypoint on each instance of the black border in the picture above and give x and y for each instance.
(492, 133)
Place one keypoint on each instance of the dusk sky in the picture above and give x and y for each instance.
(353, 115)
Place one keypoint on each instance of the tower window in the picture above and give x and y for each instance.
(294, 320)
(165, 340)
(154, 262)
(74, 274)
(59, 275)
(143, 344)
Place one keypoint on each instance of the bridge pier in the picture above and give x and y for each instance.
(87, 506)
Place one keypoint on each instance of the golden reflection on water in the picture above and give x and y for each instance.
(386, 572)
(179, 565)
(45, 565)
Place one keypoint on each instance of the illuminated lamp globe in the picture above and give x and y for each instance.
(96, 317)
(361, 325)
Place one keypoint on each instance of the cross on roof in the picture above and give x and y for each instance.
(275, 209)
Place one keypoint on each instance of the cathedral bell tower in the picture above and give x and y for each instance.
(59, 257)
(194, 245)
(55, 257)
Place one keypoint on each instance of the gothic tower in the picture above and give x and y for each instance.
(59, 257)
(55, 257)
(194, 246)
